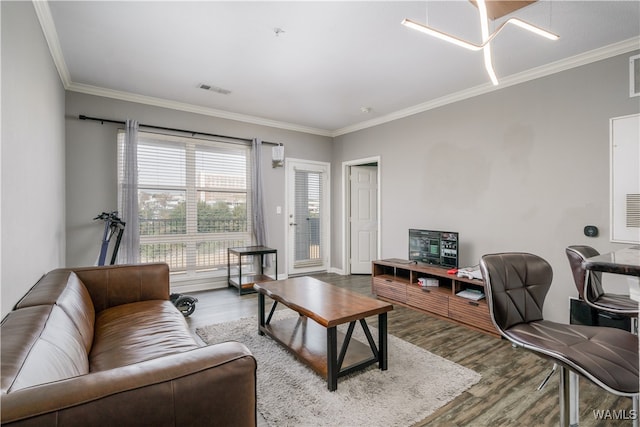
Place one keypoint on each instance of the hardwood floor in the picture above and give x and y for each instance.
(505, 396)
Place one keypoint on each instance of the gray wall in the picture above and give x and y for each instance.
(524, 168)
(33, 187)
(91, 164)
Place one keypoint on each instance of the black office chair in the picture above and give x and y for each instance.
(592, 292)
(516, 287)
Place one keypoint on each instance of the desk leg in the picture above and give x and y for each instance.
(332, 359)
(228, 268)
(382, 341)
(239, 274)
(260, 313)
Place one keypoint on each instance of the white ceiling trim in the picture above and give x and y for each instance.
(48, 27)
(525, 76)
(191, 108)
(51, 35)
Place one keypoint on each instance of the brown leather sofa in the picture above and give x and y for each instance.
(104, 346)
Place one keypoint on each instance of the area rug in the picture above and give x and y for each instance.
(416, 383)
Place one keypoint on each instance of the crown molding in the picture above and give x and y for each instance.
(525, 76)
(192, 108)
(43, 12)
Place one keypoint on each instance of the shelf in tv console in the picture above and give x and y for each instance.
(397, 281)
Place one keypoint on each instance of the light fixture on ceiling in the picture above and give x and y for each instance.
(486, 37)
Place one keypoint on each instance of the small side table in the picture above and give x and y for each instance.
(245, 282)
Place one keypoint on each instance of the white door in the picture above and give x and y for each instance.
(307, 216)
(363, 217)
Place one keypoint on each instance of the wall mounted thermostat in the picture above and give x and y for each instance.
(591, 231)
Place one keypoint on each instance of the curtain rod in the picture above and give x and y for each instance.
(193, 133)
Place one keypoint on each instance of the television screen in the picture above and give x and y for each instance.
(439, 248)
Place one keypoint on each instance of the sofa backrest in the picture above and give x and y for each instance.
(113, 285)
(63, 288)
(49, 334)
(40, 344)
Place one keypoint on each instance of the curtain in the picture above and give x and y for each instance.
(257, 202)
(128, 204)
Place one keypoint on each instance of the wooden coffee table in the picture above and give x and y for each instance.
(313, 337)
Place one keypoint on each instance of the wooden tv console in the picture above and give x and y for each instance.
(396, 280)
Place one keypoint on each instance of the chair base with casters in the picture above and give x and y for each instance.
(516, 286)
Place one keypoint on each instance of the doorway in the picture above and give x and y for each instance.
(361, 215)
(308, 214)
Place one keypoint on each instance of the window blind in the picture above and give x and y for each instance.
(308, 234)
(193, 201)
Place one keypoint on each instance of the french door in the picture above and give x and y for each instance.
(307, 216)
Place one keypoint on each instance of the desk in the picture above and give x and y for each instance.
(245, 282)
(624, 261)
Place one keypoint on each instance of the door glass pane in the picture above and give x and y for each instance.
(308, 196)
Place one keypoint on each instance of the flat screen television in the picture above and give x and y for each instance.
(438, 248)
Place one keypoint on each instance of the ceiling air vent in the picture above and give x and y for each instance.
(214, 89)
(633, 210)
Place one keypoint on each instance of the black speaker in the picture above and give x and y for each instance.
(582, 313)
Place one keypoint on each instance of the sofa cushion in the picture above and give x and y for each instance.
(135, 332)
(76, 302)
(64, 288)
(40, 344)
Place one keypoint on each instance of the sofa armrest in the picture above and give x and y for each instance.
(209, 385)
(121, 284)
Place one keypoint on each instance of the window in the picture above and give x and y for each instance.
(193, 201)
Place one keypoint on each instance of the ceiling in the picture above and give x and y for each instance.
(333, 67)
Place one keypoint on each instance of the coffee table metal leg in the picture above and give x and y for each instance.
(332, 358)
(382, 341)
(260, 313)
(273, 310)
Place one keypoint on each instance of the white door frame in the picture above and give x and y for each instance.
(346, 201)
(290, 164)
